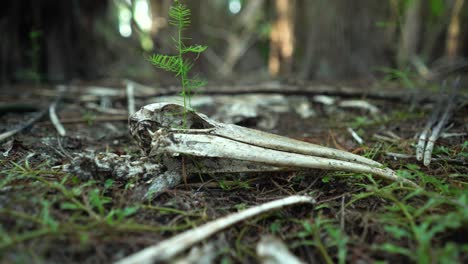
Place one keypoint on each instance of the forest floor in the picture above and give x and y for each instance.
(50, 216)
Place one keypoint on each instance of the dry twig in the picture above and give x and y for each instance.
(53, 114)
(435, 125)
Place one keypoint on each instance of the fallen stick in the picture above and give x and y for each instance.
(168, 248)
(427, 128)
(306, 89)
(39, 115)
(130, 98)
(53, 114)
(356, 137)
(360, 104)
(26, 125)
(438, 128)
(427, 144)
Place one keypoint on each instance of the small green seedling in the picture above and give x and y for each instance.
(181, 64)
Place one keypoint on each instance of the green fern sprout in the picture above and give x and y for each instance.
(179, 16)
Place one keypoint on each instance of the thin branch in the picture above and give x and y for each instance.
(356, 137)
(53, 113)
(130, 98)
(443, 120)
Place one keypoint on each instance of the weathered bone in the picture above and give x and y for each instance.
(157, 129)
(157, 175)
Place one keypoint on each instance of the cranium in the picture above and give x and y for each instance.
(158, 130)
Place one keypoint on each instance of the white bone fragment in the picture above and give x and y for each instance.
(273, 251)
(355, 135)
(130, 89)
(360, 104)
(324, 99)
(158, 174)
(55, 120)
(205, 254)
(167, 249)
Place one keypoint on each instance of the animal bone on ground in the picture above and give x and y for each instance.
(158, 131)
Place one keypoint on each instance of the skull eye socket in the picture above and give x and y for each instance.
(172, 116)
(198, 123)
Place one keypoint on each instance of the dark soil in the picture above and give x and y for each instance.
(38, 227)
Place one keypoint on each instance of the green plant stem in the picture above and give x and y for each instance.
(321, 247)
(69, 195)
(21, 215)
(183, 74)
(26, 236)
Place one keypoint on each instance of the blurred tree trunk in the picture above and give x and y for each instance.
(410, 32)
(282, 38)
(341, 39)
(54, 39)
(232, 35)
(161, 32)
(453, 32)
(159, 14)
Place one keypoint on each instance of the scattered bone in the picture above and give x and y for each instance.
(449, 135)
(427, 129)
(302, 106)
(273, 251)
(435, 124)
(104, 166)
(324, 99)
(397, 156)
(196, 102)
(167, 249)
(260, 110)
(56, 121)
(7, 147)
(158, 174)
(130, 98)
(155, 129)
(361, 104)
(199, 255)
(356, 137)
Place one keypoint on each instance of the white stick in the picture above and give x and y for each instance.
(167, 249)
(55, 120)
(53, 113)
(360, 104)
(451, 102)
(131, 98)
(273, 251)
(356, 137)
